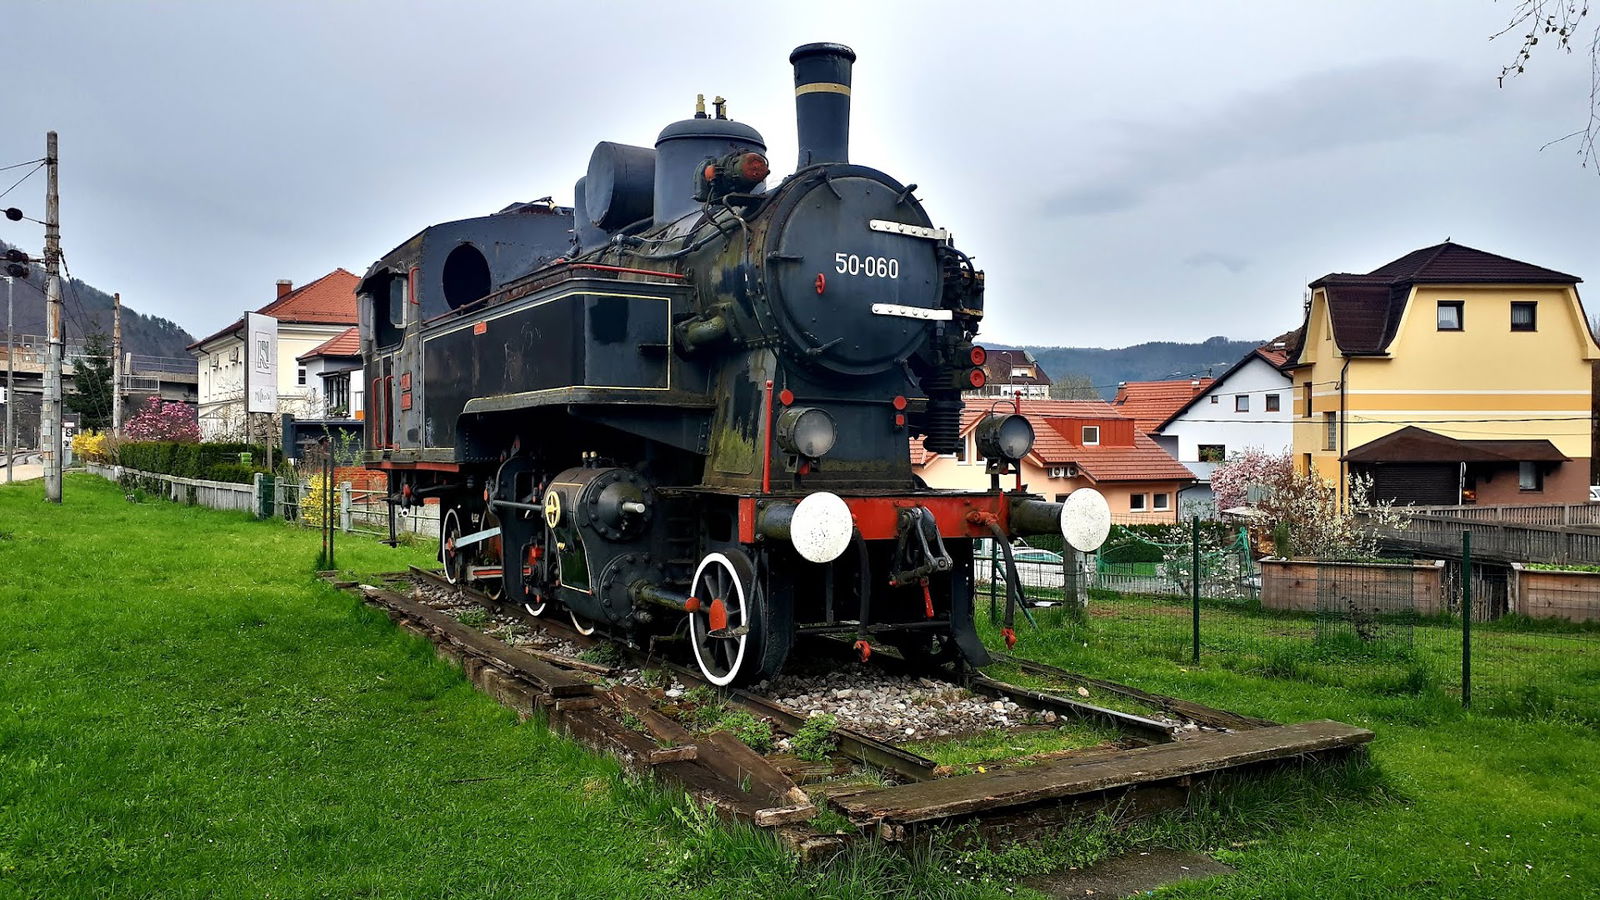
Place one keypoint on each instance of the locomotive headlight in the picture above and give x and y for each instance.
(806, 431)
(1004, 436)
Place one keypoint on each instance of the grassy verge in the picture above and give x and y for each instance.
(1453, 803)
(187, 712)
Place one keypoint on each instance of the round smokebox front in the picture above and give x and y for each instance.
(849, 297)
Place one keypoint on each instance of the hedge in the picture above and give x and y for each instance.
(211, 462)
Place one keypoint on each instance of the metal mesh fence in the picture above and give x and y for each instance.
(1387, 626)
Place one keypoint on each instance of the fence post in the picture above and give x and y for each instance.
(344, 507)
(1466, 618)
(1194, 583)
(994, 576)
(278, 507)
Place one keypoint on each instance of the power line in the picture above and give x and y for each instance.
(21, 164)
(22, 179)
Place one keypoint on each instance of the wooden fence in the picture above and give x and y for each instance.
(1548, 514)
(1497, 541)
(225, 495)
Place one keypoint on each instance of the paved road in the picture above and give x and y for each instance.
(23, 473)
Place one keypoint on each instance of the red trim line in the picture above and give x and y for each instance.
(390, 465)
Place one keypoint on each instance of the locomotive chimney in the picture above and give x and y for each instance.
(822, 102)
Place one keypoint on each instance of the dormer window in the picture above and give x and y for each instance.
(1091, 435)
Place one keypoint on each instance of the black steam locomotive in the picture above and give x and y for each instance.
(683, 410)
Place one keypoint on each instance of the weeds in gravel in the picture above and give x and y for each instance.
(815, 740)
(473, 616)
(604, 653)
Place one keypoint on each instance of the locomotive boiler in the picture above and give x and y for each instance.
(682, 410)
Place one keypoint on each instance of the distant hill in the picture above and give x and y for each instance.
(88, 309)
(1155, 361)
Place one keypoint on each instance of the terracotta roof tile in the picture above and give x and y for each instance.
(1054, 420)
(1150, 403)
(344, 344)
(330, 300)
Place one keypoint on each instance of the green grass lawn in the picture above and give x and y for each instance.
(1455, 804)
(186, 711)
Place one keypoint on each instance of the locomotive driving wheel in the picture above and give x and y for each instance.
(725, 618)
(453, 559)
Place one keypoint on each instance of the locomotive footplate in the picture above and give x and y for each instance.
(878, 517)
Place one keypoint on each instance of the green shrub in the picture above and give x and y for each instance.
(1134, 551)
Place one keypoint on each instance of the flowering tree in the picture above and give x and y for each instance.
(159, 420)
(1305, 508)
(1231, 478)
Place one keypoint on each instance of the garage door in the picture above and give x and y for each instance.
(1425, 484)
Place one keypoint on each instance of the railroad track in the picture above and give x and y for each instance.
(884, 787)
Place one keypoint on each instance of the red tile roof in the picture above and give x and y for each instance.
(330, 300)
(1267, 352)
(1150, 403)
(1054, 420)
(1366, 309)
(346, 343)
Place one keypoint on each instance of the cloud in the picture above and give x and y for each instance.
(1387, 101)
(1233, 263)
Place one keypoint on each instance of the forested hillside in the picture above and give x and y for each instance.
(88, 309)
(1154, 361)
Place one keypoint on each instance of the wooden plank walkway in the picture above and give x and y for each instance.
(991, 792)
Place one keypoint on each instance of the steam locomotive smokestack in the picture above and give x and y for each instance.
(822, 102)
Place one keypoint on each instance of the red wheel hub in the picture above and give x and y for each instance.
(718, 614)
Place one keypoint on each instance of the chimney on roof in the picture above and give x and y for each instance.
(1280, 345)
(284, 286)
(1195, 384)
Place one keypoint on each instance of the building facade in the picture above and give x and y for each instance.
(1251, 406)
(333, 371)
(1487, 360)
(308, 317)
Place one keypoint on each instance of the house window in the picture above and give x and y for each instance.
(1450, 315)
(1091, 435)
(1330, 422)
(1061, 498)
(1161, 502)
(1273, 403)
(1524, 316)
(1305, 390)
(1529, 478)
(962, 453)
(1213, 453)
(1241, 403)
(1136, 502)
(300, 376)
(1215, 399)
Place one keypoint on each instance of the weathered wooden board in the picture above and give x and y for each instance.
(991, 791)
(548, 678)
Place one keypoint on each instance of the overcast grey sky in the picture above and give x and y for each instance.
(1124, 172)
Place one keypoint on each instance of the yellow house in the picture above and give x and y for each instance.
(1450, 376)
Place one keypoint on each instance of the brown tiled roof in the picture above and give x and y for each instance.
(330, 300)
(999, 364)
(346, 343)
(1150, 403)
(1450, 263)
(1366, 309)
(1414, 445)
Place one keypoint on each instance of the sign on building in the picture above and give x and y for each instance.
(261, 363)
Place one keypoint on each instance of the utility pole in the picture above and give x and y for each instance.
(50, 416)
(11, 389)
(116, 364)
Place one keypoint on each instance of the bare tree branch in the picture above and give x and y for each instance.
(1557, 21)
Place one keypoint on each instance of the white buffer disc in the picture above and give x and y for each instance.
(1085, 519)
(821, 526)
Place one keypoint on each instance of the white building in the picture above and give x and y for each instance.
(308, 317)
(1250, 406)
(333, 370)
